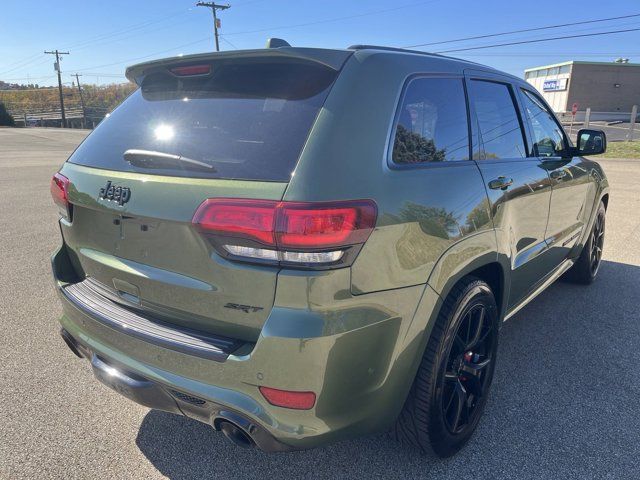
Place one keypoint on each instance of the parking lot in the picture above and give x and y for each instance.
(615, 131)
(564, 402)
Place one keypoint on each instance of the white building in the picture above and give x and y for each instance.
(603, 86)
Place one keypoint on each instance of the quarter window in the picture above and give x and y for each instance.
(432, 123)
(498, 120)
(547, 135)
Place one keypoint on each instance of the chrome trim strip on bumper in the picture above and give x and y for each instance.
(84, 296)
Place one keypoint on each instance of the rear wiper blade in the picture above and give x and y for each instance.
(152, 159)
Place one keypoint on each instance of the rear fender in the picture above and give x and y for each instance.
(461, 259)
(466, 257)
(603, 191)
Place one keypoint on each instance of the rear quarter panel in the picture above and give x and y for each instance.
(423, 211)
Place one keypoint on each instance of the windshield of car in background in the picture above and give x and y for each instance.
(246, 118)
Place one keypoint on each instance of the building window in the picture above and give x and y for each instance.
(565, 68)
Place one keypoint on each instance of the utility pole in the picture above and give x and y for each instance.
(84, 110)
(57, 54)
(213, 6)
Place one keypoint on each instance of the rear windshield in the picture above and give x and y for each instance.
(246, 119)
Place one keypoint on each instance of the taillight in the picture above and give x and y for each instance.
(252, 219)
(60, 194)
(289, 233)
(304, 225)
(289, 399)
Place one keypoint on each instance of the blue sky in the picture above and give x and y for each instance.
(106, 36)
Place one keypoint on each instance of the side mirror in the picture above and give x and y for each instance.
(591, 142)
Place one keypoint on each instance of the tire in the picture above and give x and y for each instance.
(426, 421)
(586, 268)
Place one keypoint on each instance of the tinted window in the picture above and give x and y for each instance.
(547, 135)
(247, 119)
(498, 121)
(432, 123)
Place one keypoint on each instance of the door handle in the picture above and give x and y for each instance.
(558, 174)
(500, 183)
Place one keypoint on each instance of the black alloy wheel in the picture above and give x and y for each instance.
(451, 387)
(587, 265)
(465, 379)
(597, 243)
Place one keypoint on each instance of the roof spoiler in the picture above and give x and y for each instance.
(333, 59)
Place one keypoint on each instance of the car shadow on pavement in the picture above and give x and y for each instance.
(563, 404)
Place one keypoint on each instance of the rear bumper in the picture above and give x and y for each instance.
(357, 353)
(160, 397)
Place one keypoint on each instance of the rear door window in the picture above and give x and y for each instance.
(432, 123)
(244, 120)
(498, 121)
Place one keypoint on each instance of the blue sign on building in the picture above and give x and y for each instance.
(554, 85)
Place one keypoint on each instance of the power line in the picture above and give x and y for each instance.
(131, 34)
(29, 61)
(550, 54)
(99, 74)
(477, 37)
(573, 31)
(148, 23)
(127, 29)
(335, 19)
(231, 44)
(145, 56)
(25, 64)
(539, 40)
(214, 8)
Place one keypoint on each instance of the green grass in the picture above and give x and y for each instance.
(622, 150)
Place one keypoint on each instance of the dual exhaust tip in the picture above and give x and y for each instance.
(236, 434)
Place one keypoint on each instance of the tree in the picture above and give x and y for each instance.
(432, 220)
(411, 147)
(6, 120)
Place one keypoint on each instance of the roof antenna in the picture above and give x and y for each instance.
(277, 43)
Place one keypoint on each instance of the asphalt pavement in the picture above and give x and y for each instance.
(564, 402)
(615, 131)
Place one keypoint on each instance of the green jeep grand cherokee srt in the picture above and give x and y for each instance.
(297, 246)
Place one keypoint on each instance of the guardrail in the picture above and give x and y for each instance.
(75, 116)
